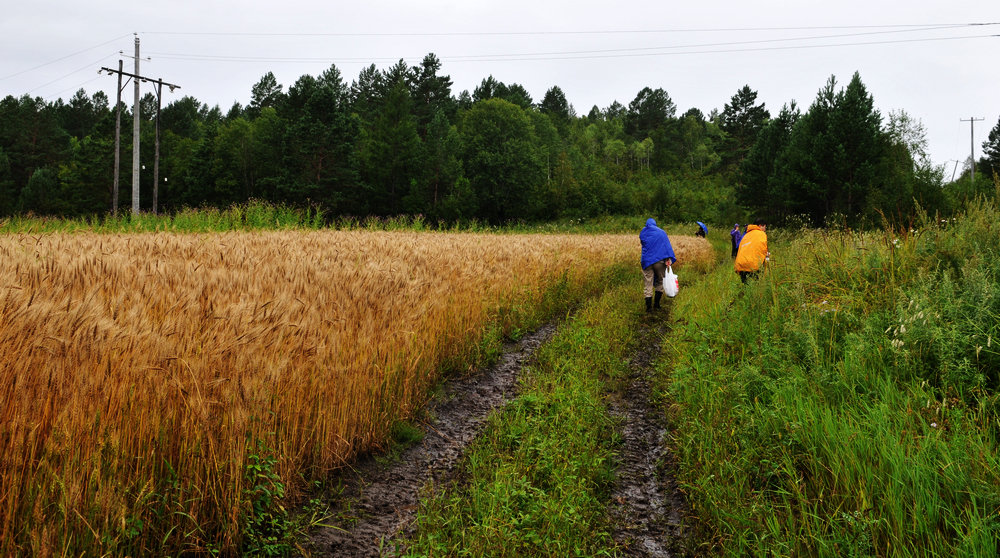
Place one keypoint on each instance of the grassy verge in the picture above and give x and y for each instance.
(536, 482)
(249, 216)
(255, 215)
(847, 403)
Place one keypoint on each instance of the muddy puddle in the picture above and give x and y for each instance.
(647, 506)
(380, 500)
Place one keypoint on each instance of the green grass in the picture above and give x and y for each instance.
(846, 404)
(253, 215)
(259, 215)
(536, 482)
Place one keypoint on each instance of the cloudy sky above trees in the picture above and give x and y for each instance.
(935, 60)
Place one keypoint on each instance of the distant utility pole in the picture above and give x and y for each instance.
(118, 135)
(156, 159)
(972, 143)
(135, 133)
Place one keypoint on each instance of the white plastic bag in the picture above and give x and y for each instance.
(671, 284)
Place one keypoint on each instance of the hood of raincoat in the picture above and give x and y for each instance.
(655, 244)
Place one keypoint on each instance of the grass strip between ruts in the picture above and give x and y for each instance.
(536, 482)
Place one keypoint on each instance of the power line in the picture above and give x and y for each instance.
(64, 58)
(77, 87)
(568, 55)
(80, 69)
(720, 51)
(731, 43)
(557, 55)
(636, 49)
(551, 32)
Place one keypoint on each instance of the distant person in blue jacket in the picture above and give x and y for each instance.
(735, 236)
(657, 254)
(702, 229)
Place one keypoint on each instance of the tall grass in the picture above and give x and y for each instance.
(252, 215)
(256, 215)
(157, 387)
(848, 403)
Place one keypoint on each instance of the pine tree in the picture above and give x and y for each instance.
(833, 155)
(650, 110)
(991, 151)
(758, 187)
(431, 93)
(555, 105)
(393, 156)
(742, 119)
(265, 93)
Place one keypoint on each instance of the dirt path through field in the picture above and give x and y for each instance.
(646, 504)
(379, 501)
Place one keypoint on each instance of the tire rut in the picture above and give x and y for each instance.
(379, 501)
(647, 507)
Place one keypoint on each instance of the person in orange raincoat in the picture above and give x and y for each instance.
(752, 253)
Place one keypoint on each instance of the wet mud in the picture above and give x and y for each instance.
(379, 500)
(647, 507)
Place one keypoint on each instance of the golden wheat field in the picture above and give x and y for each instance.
(138, 370)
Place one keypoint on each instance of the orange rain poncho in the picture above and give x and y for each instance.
(752, 250)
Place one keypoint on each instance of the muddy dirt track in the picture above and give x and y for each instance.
(646, 504)
(379, 501)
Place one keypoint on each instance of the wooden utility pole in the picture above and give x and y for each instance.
(135, 133)
(156, 158)
(118, 136)
(135, 136)
(972, 143)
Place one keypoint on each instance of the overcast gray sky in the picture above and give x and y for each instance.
(921, 56)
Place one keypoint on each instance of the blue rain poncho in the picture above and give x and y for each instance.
(736, 234)
(655, 244)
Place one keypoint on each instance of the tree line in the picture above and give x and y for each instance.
(398, 141)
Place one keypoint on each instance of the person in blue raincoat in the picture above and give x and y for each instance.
(657, 254)
(735, 236)
(702, 229)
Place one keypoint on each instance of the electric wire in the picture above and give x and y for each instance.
(704, 45)
(88, 66)
(571, 55)
(60, 59)
(552, 32)
(58, 94)
(536, 54)
(724, 51)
